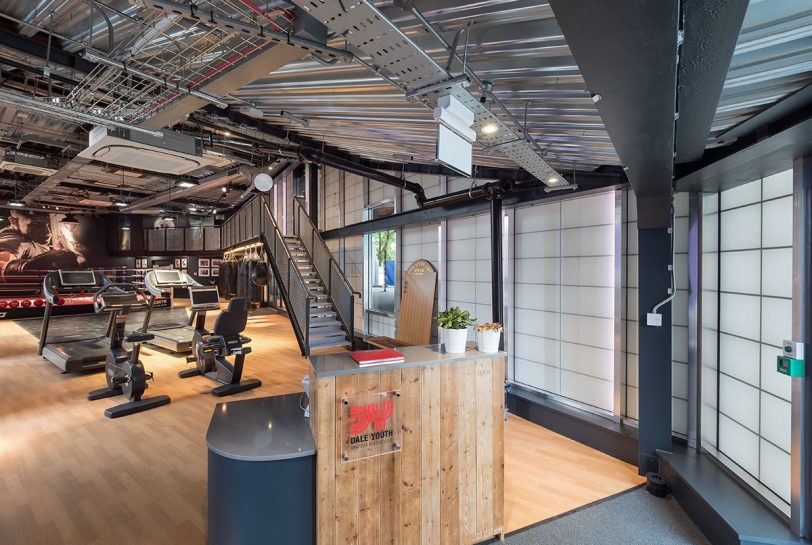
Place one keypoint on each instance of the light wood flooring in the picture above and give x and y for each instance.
(70, 476)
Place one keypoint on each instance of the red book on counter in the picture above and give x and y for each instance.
(377, 357)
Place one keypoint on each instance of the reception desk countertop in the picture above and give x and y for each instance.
(261, 430)
(329, 365)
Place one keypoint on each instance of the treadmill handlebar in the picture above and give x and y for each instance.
(124, 288)
(54, 291)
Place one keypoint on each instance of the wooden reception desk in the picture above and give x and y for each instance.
(410, 453)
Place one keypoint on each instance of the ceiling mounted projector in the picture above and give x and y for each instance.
(263, 182)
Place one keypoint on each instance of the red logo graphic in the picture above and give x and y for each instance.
(377, 415)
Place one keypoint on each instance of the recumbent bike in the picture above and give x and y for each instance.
(211, 351)
(123, 369)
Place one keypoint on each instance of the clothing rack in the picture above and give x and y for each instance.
(243, 249)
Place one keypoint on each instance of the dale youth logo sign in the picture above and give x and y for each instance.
(370, 425)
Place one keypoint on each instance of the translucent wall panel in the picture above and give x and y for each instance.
(755, 315)
(564, 299)
(679, 320)
(710, 317)
(468, 258)
(629, 290)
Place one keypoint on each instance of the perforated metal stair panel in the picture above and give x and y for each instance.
(371, 32)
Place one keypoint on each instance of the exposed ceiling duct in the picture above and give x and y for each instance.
(214, 181)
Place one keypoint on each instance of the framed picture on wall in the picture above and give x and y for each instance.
(203, 262)
(177, 263)
(215, 271)
(137, 262)
(184, 263)
(216, 263)
(202, 272)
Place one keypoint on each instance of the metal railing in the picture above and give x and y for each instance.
(292, 287)
(339, 289)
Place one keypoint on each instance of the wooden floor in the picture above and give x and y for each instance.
(70, 476)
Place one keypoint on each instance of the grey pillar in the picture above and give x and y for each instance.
(654, 368)
(801, 487)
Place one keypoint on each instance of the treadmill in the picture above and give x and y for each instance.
(76, 352)
(175, 337)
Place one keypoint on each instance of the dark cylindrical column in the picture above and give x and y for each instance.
(654, 369)
(496, 259)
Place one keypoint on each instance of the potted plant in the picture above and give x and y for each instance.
(487, 337)
(454, 324)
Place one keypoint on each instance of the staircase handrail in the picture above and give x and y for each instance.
(302, 334)
(316, 240)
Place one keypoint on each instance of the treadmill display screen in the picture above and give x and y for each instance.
(204, 296)
(168, 277)
(77, 278)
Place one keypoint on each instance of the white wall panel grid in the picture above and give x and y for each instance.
(564, 299)
(748, 424)
(629, 309)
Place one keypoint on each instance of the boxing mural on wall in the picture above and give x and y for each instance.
(42, 241)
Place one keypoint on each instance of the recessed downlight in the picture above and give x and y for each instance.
(490, 128)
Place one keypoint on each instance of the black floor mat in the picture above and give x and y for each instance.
(94, 325)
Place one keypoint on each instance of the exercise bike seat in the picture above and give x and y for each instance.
(232, 321)
(139, 337)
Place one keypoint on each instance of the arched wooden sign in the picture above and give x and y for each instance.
(416, 307)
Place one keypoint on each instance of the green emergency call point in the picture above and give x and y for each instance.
(791, 362)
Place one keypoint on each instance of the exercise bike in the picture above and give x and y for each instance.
(211, 351)
(123, 369)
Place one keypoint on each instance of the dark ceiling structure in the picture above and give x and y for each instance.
(691, 95)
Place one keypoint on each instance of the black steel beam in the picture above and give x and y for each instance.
(711, 29)
(37, 49)
(768, 149)
(789, 105)
(626, 51)
(586, 184)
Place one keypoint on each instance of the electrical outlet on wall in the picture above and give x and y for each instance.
(654, 319)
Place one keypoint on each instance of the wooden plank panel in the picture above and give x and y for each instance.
(449, 455)
(466, 446)
(410, 467)
(484, 442)
(369, 476)
(323, 418)
(346, 479)
(390, 479)
(498, 393)
(430, 456)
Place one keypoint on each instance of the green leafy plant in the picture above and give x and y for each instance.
(455, 318)
(384, 246)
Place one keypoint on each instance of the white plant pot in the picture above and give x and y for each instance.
(488, 341)
(454, 340)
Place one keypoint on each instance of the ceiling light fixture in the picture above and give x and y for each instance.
(187, 183)
(120, 204)
(16, 203)
(490, 128)
(569, 187)
(295, 118)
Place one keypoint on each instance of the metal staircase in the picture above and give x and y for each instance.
(325, 329)
(317, 296)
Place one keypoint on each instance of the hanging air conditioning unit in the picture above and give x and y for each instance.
(170, 153)
(26, 164)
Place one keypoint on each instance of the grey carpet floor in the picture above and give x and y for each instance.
(632, 518)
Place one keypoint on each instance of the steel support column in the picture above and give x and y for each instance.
(654, 374)
(801, 450)
(496, 260)
(695, 320)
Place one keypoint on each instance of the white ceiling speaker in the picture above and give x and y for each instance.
(263, 182)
